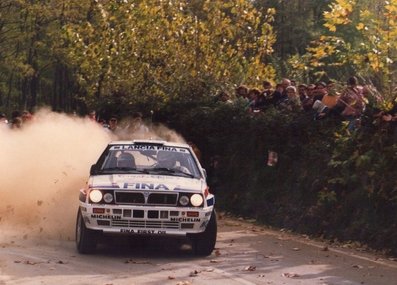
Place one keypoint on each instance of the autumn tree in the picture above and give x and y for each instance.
(361, 39)
(296, 24)
(33, 70)
(154, 51)
(85, 53)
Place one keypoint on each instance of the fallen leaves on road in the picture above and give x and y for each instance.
(250, 268)
(325, 248)
(358, 266)
(261, 275)
(290, 275)
(171, 277)
(296, 249)
(194, 273)
(137, 262)
(215, 261)
(27, 262)
(183, 283)
(232, 224)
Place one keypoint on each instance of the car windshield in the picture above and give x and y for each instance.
(150, 159)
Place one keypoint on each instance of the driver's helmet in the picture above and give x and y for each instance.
(126, 160)
(166, 159)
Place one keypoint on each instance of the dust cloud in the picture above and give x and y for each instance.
(44, 164)
(42, 167)
(132, 129)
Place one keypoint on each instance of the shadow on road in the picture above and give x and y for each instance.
(145, 247)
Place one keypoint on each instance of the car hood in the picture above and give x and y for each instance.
(146, 182)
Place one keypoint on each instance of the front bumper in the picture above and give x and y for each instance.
(144, 220)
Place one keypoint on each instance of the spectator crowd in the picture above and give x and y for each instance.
(322, 99)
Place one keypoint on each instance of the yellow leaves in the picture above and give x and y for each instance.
(339, 14)
(175, 42)
(386, 105)
(367, 41)
(375, 61)
(330, 27)
(391, 7)
(360, 26)
(357, 58)
(365, 14)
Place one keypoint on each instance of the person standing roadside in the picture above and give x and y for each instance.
(267, 93)
(3, 118)
(293, 102)
(331, 98)
(352, 103)
(92, 116)
(3, 121)
(113, 125)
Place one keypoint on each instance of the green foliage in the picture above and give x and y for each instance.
(92, 53)
(326, 181)
(361, 39)
(159, 50)
(74, 54)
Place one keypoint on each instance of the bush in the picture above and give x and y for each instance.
(326, 182)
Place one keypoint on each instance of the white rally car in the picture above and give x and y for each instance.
(147, 187)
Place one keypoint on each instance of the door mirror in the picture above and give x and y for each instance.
(93, 169)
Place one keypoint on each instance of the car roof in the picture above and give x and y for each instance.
(156, 142)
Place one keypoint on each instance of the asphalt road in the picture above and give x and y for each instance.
(244, 254)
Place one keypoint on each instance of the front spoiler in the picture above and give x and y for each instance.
(153, 220)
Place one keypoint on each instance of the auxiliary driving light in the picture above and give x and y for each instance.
(108, 198)
(184, 200)
(96, 196)
(196, 200)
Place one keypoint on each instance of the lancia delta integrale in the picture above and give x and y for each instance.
(147, 188)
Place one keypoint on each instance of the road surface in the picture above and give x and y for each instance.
(245, 254)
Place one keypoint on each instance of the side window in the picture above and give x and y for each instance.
(187, 160)
(111, 160)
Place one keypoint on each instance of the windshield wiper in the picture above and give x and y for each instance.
(170, 170)
(127, 169)
(179, 171)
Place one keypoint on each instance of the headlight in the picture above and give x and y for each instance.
(95, 196)
(184, 200)
(196, 200)
(108, 198)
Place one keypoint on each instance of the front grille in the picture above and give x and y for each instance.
(129, 198)
(145, 224)
(162, 199)
(138, 198)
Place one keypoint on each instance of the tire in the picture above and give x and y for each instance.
(204, 243)
(86, 239)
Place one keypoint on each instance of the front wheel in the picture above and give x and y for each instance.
(204, 243)
(86, 239)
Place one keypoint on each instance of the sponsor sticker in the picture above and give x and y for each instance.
(111, 217)
(148, 147)
(190, 220)
(143, 232)
(144, 186)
